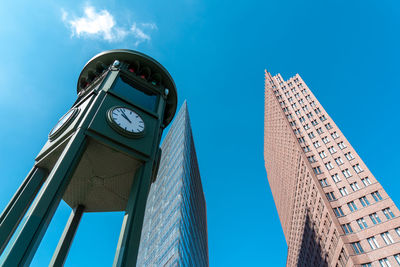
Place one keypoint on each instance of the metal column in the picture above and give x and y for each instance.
(68, 235)
(19, 204)
(131, 230)
(44, 207)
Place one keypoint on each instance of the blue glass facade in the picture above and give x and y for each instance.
(175, 224)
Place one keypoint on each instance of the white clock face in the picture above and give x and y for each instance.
(61, 122)
(127, 120)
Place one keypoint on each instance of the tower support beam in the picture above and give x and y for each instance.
(19, 204)
(44, 207)
(67, 237)
(131, 230)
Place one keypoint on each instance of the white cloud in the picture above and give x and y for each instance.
(103, 25)
(152, 26)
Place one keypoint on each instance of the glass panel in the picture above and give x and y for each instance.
(144, 99)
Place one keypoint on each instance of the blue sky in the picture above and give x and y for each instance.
(216, 51)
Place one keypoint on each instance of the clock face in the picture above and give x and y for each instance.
(63, 122)
(127, 121)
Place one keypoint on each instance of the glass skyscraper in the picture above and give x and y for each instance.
(175, 224)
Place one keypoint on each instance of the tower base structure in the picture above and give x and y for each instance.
(92, 164)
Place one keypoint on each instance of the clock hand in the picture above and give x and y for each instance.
(126, 117)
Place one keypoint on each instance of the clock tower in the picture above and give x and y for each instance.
(102, 155)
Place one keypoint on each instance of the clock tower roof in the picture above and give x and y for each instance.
(140, 60)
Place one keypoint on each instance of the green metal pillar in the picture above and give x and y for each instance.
(19, 204)
(60, 255)
(131, 230)
(44, 207)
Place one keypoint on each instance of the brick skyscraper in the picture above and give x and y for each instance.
(332, 209)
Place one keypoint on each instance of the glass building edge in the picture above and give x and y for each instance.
(175, 225)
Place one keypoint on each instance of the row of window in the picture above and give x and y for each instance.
(346, 173)
(384, 262)
(323, 155)
(309, 115)
(373, 243)
(364, 201)
(352, 205)
(363, 224)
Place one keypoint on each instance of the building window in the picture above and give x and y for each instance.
(376, 196)
(324, 182)
(366, 181)
(366, 265)
(346, 173)
(375, 218)
(362, 223)
(302, 119)
(329, 165)
(322, 154)
(325, 140)
(334, 135)
(309, 115)
(332, 150)
(330, 196)
(306, 127)
(328, 126)
(316, 144)
(341, 145)
(373, 243)
(397, 231)
(388, 213)
(364, 201)
(354, 186)
(306, 149)
(347, 228)
(339, 161)
(387, 238)
(357, 247)
(349, 156)
(397, 258)
(336, 178)
(338, 211)
(317, 170)
(357, 168)
(343, 191)
(322, 118)
(320, 131)
(352, 206)
(311, 135)
(311, 159)
(384, 262)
